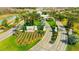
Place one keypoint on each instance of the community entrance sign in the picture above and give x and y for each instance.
(31, 28)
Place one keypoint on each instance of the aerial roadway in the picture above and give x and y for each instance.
(60, 43)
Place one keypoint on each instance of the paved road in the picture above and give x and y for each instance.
(61, 41)
(8, 33)
(59, 45)
(44, 43)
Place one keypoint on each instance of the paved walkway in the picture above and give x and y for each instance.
(44, 43)
(61, 41)
(59, 45)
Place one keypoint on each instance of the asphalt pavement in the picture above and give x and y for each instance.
(60, 43)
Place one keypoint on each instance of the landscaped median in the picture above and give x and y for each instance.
(26, 34)
(53, 25)
(22, 40)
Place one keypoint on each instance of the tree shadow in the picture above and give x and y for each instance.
(64, 41)
(64, 33)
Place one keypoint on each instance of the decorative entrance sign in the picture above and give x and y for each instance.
(31, 28)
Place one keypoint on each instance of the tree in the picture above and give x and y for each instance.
(29, 19)
(4, 23)
(61, 16)
(71, 19)
(16, 20)
(72, 39)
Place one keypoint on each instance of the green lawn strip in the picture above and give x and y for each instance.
(32, 44)
(52, 23)
(10, 44)
(37, 22)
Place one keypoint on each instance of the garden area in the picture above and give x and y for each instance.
(52, 23)
(37, 22)
(26, 38)
(73, 40)
(71, 23)
(21, 41)
(74, 47)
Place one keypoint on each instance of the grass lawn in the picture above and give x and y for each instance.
(10, 44)
(37, 22)
(52, 23)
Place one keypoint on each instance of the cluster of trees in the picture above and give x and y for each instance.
(71, 14)
(29, 19)
(16, 19)
(4, 23)
(72, 39)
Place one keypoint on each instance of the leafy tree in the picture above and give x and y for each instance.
(4, 23)
(17, 19)
(72, 39)
(71, 19)
(44, 12)
(61, 16)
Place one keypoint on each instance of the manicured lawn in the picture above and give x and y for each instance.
(37, 22)
(10, 44)
(51, 22)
